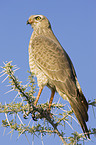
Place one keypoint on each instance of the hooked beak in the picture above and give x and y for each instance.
(29, 22)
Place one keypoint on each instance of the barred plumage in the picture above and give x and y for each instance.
(53, 68)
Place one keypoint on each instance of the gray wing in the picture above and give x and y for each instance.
(50, 57)
(54, 62)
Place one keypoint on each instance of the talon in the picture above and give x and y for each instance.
(48, 112)
(33, 116)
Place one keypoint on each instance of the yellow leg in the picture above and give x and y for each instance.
(38, 96)
(51, 98)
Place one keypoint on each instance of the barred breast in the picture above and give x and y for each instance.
(41, 77)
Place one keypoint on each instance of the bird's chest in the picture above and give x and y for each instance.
(41, 77)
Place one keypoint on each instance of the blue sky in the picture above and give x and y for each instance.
(74, 24)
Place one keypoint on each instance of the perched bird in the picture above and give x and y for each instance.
(53, 68)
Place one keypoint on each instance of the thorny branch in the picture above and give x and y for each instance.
(37, 112)
(32, 109)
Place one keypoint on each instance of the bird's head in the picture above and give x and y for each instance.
(37, 21)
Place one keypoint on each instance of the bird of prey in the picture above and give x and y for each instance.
(53, 68)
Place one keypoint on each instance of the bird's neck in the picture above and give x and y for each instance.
(47, 32)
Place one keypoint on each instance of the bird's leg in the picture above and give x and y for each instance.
(50, 103)
(35, 103)
(51, 98)
(38, 96)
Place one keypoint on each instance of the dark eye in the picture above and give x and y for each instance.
(38, 18)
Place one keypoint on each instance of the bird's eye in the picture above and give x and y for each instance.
(38, 18)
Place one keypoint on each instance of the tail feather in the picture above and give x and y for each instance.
(79, 114)
(81, 95)
(83, 100)
(76, 100)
